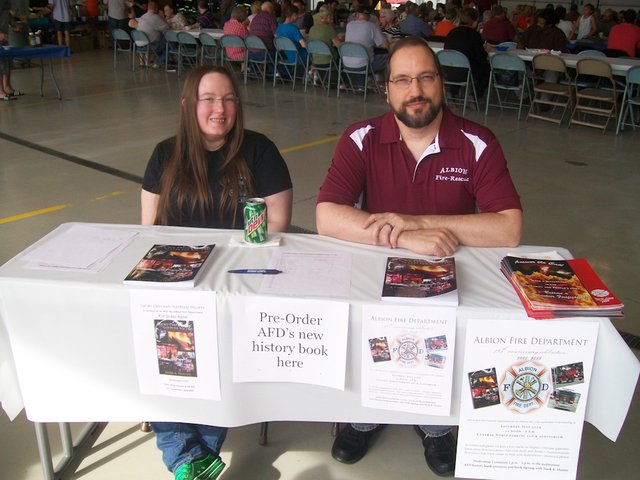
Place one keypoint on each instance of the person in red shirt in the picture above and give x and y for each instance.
(445, 26)
(498, 29)
(626, 36)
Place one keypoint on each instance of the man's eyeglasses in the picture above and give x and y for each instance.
(425, 79)
(224, 101)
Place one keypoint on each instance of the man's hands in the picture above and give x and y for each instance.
(406, 231)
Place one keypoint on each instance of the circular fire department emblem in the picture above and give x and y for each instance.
(407, 350)
(525, 387)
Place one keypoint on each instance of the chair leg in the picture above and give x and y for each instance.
(335, 429)
(264, 430)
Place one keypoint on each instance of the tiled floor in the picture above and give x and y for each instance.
(580, 190)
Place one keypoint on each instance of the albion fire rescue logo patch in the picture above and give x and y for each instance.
(407, 351)
(525, 387)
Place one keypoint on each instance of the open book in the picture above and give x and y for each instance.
(421, 280)
(177, 265)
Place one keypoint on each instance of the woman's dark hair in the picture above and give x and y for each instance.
(184, 185)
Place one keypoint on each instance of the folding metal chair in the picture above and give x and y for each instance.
(591, 53)
(141, 46)
(354, 51)
(630, 98)
(320, 60)
(234, 51)
(172, 48)
(287, 61)
(509, 76)
(259, 60)
(547, 95)
(456, 64)
(121, 43)
(501, 47)
(188, 50)
(593, 102)
(208, 48)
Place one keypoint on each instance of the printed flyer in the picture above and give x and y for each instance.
(175, 335)
(523, 398)
(289, 340)
(407, 358)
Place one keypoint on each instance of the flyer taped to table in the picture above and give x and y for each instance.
(176, 343)
(289, 340)
(523, 398)
(407, 358)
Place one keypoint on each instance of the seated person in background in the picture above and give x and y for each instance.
(264, 25)
(585, 26)
(235, 26)
(205, 18)
(412, 24)
(563, 24)
(467, 40)
(200, 178)
(289, 29)
(525, 20)
(324, 31)
(255, 9)
(389, 24)
(154, 25)
(625, 36)
(449, 23)
(545, 34)
(175, 20)
(369, 35)
(392, 164)
(498, 29)
(608, 20)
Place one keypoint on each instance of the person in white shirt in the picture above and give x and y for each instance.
(153, 25)
(369, 35)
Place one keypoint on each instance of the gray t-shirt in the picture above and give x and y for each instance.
(365, 33)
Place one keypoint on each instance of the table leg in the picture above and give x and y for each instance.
(73, 454)
(42, 77)
(53, 77)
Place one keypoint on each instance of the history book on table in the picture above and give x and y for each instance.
(560, 288)
(421, 280)
(175, 265)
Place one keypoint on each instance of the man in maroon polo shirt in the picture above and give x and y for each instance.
(419, 178)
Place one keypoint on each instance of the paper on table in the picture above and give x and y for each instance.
(80, 248)
(548, 255)
(523, 398)
(317, 274)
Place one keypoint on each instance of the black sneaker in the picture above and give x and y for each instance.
(351, 445)
(439, 452)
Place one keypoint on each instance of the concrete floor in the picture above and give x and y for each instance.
(580, 190)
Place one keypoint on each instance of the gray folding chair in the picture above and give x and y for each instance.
(320, 61)
(259, 60)
(549, 96)
(172, 49)
(188, 51)
(121, 43)
(594, 102)
(508, 77)
(454, 62)
(141, 47)
(287, 60)
(630, 99)
(354, 51)
(234, 51)
(208, 49)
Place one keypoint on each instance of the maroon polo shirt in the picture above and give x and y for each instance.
(463, 171)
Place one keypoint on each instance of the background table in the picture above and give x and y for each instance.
(71, 338)
(48, 52)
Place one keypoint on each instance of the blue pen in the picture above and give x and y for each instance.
(260, 271)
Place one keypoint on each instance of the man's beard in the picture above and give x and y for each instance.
(423, 118)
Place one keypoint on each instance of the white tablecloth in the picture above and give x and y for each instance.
(71, 340)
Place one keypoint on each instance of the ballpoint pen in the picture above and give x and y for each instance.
(260, 271)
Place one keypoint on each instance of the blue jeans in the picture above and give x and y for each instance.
(185, 442)
(428, 430)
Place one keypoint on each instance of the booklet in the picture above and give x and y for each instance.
(421, 280)
(560, 288)
(177, 265)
